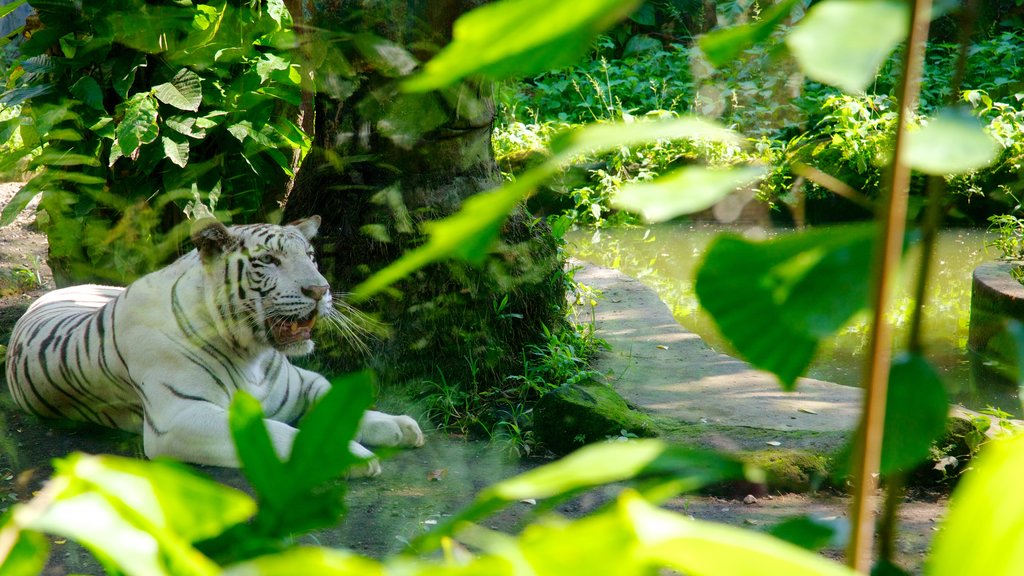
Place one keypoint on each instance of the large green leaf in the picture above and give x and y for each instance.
(684, 191)
(469, 233)
(722, 45)
(775, 300)
(953, 142)
(260, 462)
(695, 547)
(184, 91)
(508, 39)
(597, 465)
(24, 552)
(844, 42)
(983, 532)
(310, 561)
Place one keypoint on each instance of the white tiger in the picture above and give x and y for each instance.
(164, 356)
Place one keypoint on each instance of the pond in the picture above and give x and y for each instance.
(665, 258)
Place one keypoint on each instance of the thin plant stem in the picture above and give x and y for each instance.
(936, 187)
(890, 245)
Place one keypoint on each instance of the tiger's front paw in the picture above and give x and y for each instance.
(378, 429)
(370, 465)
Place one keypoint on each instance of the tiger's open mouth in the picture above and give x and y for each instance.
(291, 331)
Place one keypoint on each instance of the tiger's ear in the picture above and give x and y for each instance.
(308, 226)
(211, 238)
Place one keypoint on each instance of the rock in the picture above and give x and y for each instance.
(750, 499)
(791, 470)
(577, 414)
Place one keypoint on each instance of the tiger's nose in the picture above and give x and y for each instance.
(316, 291)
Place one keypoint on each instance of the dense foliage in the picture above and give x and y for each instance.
(122, 127)
(773, 300)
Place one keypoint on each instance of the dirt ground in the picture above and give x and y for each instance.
(417, 488)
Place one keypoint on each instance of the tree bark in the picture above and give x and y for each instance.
(383, 162)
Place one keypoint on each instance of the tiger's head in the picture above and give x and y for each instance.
(262, 282)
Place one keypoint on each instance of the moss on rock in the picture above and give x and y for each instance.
(791, 470)
(577, 414)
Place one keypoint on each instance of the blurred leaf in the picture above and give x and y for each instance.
(724, 44)
(598, 138)
(641, 43)
(21, 199)
(812, 533)
(507, 39)
(169, 495)
(321, 450)
(260, 462)
(983, 531)
(951, 143)
(26, 551)
(390, 59)
(684, 191)
(596, 465)
(184, 91)
(916, 414)
(469, 233)
(10, 7)
(310, 561)
(844, 42)
(138, 126)
(775, 300)
(695, 547)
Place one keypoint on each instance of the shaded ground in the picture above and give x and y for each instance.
(420, 486)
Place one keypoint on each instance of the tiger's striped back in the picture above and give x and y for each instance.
(64, 359)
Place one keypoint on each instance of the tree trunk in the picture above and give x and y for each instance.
(382, 163)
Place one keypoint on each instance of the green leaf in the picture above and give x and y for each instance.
(176, 152)
(169, 495)
(138, 126)
(10, 7)
(684, 191)
(954, 142)
(124, 69)
(598, 138)
(508, 39)
(21, 199)
(320, 561)
(468, 233)
(27, 556)
(88, 90)
(695, 547)
(186, 126)
(268, 63)
(775, 300)
(321, 450)
(983, 531)
(184, 91)
(724, 44)
(917, 409)
(598, 465)
(811, 533)
(260, 462)
(844, 42)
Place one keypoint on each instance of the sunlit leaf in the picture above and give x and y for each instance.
(983, 531)
(176, 152)
(170, 496)
(184, 91)
(951, 143)
(319, 561)
(469, 233)
(724, 44)
(597, 465)
(508, 39)
(684, 191)
(21, 199)
(138, 126)
(695, 547)
(598, 138)
(26, 551)
(775, 300)
(388, 58)
(844, 42)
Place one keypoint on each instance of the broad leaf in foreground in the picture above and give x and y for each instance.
(951, 143)
(797, 289)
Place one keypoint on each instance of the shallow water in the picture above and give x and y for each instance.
(665, 257)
